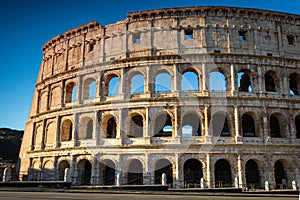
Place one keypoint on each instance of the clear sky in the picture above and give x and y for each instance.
(26, 25)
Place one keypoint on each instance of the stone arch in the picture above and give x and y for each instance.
(163, 126)
(111, 84)
(48, 171)
(110, 126)
(89, 88)
(248, 125)
(218, 80)
(272, 82)
(137, 83)
(223, 174)
(252, 174)
(220, 124)
(107, 171)
(86, 128)
(278, 125)
(55, 97)
(192, 171)
(135, 172)
(43, 101)
(66, 130)
(135, 125)
(294, 83)
(70, 92)
(191, 124)
(63, 164)
(38, 137)
(190, 80)
(280, 174)
(50, 136)
(163, 166)
(244, 81)
(84, 167)
(163, 82)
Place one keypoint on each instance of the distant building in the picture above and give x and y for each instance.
(202, 94)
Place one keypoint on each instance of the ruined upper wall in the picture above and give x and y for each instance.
(164, 31)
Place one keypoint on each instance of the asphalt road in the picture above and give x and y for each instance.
(11, 195)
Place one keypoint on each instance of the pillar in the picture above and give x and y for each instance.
(164, 179)
(232, 80)
(238, 136)
(57, 134)
(176, 122)
(176, 85)
(204, 85)
(208, 168)
(206, 125)
(67, 175)
(73, 170)
(240, 172)
(75, 128)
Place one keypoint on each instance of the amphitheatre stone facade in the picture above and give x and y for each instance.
(207, 95)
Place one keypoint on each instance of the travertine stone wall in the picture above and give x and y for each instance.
(69, 129)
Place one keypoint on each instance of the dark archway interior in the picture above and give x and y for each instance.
(245, 82)
(163, 126)
(61, 169)
(111, 129)
(136, 126)
(252, 174)
(108, 172)
(193, 121)
(280, 174)
(297, 123)
(248, 126)
(135, 173)
(220, 125)
(269, 83)
(161, 167)
(223, 174)
(193, 171)
(274, 127)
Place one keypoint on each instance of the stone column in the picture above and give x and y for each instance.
(73, 170)
(75, 128)
(204, 84)
(208, 175)
(58, 129)
(260, 74)
(79, 90)
(123, 86)
(206, 125)
(240, 172)
(266, 128)
(238, 136)
(43, 135)
(177, 180)
(176, 80)
(232, 80)
(297, 171)
(176, 121)
(146, 129)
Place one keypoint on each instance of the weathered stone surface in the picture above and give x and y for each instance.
(78, 121)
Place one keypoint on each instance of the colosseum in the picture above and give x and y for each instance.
(208, 96)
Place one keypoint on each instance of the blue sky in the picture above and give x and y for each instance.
(26, 25)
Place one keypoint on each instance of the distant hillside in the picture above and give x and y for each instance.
(10, 142)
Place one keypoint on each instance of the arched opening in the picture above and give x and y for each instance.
(193, 172)
(163, 126)
(244, 82)
(274, 127)
(294, 84)
(89, 89)
(189, 81)
(113, 86)
(223, 174)
(66, 130)
(136, 126)
(191, 125)
(163, 82)
(70, 93)
(135, 173)
(48, 171)
(50, 133)
(163, 166)
(248, 126)
(111, 128)
(108, 172)
(84, 172)
(280, 174)
(269, 83)
(220, 125)
(63, 165)
(137, 84)
(217, 82)
(297, 124)
(86, 128)
(252, 174)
